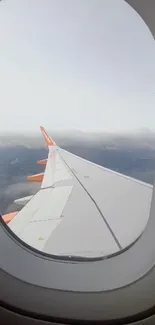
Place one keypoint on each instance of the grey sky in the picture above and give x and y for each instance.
(86, 64)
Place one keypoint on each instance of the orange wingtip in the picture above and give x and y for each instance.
(9, 216)
(36, 177)
(47, 138)
(42, 162)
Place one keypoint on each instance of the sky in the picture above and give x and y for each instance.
(82, 64)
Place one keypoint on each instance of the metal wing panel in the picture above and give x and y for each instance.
(48, 179)
(124, 202)
(55, 170)
(53, 204)
(46, 205)
(25, 215)
(83, 208)
(37, 233)
(82, 231)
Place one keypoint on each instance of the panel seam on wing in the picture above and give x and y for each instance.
(99, 210)
(111, 171)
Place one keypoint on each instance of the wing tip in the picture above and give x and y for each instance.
(47, 138)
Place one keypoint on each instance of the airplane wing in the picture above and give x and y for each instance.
(82, 209)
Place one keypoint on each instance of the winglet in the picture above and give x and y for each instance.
(47, 138)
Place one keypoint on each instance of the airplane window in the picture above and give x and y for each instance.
(86, 67)
(76, 196)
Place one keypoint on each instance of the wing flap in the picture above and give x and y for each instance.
(44, 208)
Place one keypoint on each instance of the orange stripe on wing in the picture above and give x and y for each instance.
(9, 216)
(42, 162)
(36, 177)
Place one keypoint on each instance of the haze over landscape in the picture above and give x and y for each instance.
(130, 154)
(85, 70)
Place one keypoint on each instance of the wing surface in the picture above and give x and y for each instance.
(82, 209)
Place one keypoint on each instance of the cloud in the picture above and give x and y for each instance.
(15, 191)
(20, 189)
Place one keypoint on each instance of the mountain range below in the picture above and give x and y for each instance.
(132, 154)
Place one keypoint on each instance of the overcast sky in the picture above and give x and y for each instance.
(84, 64)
